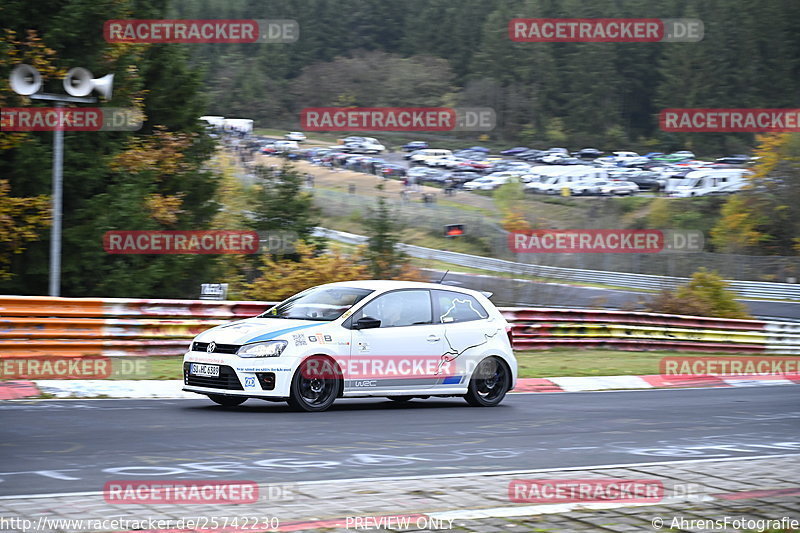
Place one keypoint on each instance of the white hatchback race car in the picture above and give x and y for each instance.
(392, 339)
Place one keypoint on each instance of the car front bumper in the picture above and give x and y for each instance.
(267, 377)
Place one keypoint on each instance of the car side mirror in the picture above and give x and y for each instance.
(366, 322)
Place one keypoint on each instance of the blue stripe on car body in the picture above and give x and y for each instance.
(273, 334)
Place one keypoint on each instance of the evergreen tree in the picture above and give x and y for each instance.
(281, 204)
(385, 260)
(108, 182)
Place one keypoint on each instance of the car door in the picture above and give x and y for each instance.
(403, 353)
(469, 328)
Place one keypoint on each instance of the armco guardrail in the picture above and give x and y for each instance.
(36, 325)
(745, 289)
(545, 328)
(31, 326)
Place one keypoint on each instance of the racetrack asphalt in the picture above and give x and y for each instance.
(58, 446)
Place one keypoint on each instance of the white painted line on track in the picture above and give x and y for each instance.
(463, 474)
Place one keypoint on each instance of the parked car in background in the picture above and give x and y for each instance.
(478, 165)
(531, 155)
(646, 180)
(517, 174)
(479, 149)
(392, 171)
(421, 156)
(501, 166)
(423, 174)
(558, 158)
(637, 162)
(490, 183)
(557, 151)
(614, 188)
(368, 146)
(461, 177)
(470, 154)
(415, 145)
(298, 136)
(588, 153)
(515, 151)
(621, 173)
(447, 161)
(618, 157)
(675, 157)
(738, 159)
(319, 152)
(285, 146)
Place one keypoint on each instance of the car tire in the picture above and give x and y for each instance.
(489, 383)
(313, 394)
(227, 401)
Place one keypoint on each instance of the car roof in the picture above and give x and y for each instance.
(387, 285)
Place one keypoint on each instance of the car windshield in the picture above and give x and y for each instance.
(320, 303)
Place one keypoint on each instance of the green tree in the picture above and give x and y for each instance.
(98, 195)
(706, 294)
(765, 218)
(384, 259)
(279, 203)
(21, 221)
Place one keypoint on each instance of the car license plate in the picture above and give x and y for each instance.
(210, 371)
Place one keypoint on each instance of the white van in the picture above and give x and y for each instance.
(490, 183)
(554, 184)
(421, 156)
(710, 182)
(285, 146)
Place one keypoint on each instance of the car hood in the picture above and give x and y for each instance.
(255, 330)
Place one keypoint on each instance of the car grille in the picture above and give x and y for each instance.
(227, 379)
(218, 348)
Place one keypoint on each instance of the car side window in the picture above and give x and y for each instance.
(400, 308)
(452, 307)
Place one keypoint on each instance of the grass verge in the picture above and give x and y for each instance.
(532, 364)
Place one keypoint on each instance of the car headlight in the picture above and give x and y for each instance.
(262, 349)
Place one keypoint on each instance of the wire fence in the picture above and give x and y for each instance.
(433, 217)
(413, 213)
(676, 264)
